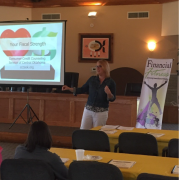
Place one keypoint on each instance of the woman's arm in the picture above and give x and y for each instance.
(60, 170)
(67, 88)
(83, 89)
(110, 90)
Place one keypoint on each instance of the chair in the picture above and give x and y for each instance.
(137, 143)
(146, 176)
(26, 169)
(133, 89)
(124, 75)
(90, 140)
(89, 170)
(71, 80)
(172, 150)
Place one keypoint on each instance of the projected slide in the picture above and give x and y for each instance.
(32, 53)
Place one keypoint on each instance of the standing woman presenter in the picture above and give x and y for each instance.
(101, 90)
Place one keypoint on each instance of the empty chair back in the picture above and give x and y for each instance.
(133, 89)
(26, 169)
(90, 140)
(173, 148)
(146, 176)
(138, 143)
(89, 170)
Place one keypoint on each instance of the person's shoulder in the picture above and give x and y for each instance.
(54, 157)
(21, 147)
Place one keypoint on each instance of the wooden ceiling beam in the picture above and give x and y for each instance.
(75, 3)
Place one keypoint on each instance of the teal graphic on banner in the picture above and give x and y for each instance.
(153, 93)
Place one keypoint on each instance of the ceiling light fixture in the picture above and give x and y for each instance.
(92, 14)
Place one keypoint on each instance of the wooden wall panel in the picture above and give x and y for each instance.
(62, 109)
(4, 108)
(79, 108)
(57, 112)
(171, 115)
(120, 118)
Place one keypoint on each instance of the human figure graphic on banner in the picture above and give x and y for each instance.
(154, 99)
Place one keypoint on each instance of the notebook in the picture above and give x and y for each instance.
(156, 134)
(110, 127)
(125, 128)
(175, 169)
(122, 163)
(109, 131)
(64, 160)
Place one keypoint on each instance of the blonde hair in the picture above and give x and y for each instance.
(105, 67)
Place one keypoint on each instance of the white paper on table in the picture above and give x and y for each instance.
(92, 157)
(64, 160)
(125, 128)
(175, 169)
(109, 131)
(156, 134)
(110, 127)
(122, 163)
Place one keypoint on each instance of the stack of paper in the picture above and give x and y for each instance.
(156, 134)
(64, 160)
(110, 127)
(109, 131)
(92, 158)
(175, 169)
(125, 128)
(122, 163)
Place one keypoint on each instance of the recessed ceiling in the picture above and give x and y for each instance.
(74, 3)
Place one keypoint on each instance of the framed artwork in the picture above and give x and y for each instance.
(95, 46)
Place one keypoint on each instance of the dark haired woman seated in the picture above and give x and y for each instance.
(38, 142)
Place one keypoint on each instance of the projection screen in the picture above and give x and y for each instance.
(32, 53)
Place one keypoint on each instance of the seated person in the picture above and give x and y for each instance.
(38, 142)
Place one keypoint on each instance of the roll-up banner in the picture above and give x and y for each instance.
(153, 93)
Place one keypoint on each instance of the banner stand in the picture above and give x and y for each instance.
(153, 93)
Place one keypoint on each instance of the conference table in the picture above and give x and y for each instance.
(144, 164)
(162, 141)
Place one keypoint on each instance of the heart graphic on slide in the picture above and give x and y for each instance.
(10, 36)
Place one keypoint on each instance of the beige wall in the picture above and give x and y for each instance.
(170, 17)
(14, 13)
(130, 35)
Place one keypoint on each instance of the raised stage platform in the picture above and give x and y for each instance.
(18, 133)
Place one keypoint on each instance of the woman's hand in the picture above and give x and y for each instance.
(65, 88)
(108, 92)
